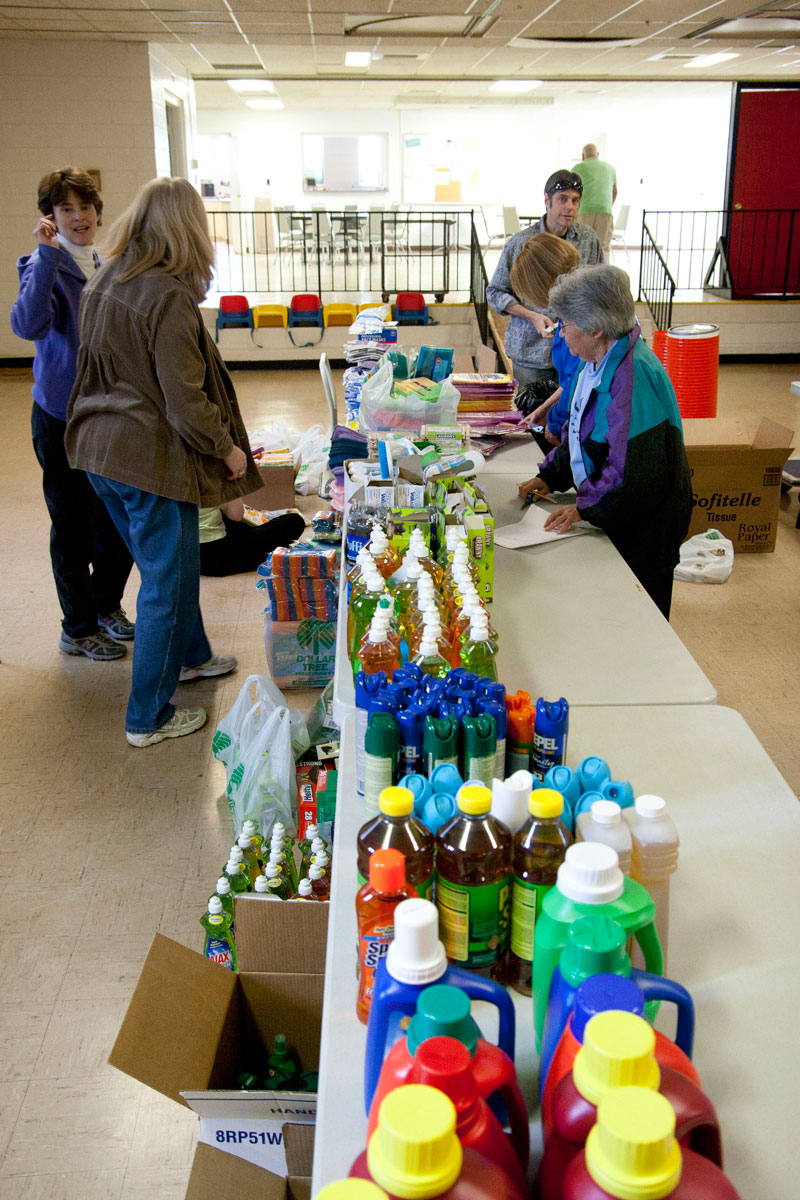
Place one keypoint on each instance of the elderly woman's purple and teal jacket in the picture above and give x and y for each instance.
(638, 487)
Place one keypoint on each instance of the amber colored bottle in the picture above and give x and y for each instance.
(375, 905)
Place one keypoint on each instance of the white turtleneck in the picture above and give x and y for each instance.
(83, 255)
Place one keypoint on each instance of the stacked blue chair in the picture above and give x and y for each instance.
(305, 309)
(234, 313)
(410, 309)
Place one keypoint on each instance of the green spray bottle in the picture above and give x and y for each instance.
(439, 743)
(478, 747)
(381, 745)
(219, 947)
(281, 1066)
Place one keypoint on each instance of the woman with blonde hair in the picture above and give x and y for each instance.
(542, 260)
(154, 421)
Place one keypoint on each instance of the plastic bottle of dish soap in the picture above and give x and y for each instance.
(225, 893)
(429, 659)
(382, 553)
(478, 653)
(220, 947)
(378, 652)
(320, 884)
(278, 882)
(473, 884)
(250, 829)
(539, 849)
(397, 828)
(280, 836)
(305, 891)
(237, 874)
(252, 859)
(362, 610)
(376, 901)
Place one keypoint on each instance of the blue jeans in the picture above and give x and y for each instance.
(163, 538)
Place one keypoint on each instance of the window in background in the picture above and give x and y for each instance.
(344, 162)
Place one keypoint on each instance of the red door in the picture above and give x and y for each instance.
(763, 247)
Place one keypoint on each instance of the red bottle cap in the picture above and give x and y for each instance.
(446, 1064)
(387, 871)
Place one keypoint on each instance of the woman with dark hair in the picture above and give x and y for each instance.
(155, 423)
(90, 561)
(623, 452)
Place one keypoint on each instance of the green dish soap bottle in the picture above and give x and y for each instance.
(478, 653)
(429, 659)
(219, 947)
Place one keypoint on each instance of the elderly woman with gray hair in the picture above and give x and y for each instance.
(622, 447)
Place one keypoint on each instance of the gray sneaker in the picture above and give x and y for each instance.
(182, 721)
(117, 626)
(218, 664)
(97, 646)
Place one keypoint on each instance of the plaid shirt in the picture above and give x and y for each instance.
(524, 346)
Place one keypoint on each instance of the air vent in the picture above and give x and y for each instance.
(523, 42)
(234, 66)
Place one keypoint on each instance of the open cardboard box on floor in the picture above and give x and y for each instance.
(736, 468)
(193, 1026)
(277, 490)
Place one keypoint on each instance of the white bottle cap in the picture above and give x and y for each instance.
(375, 582)
(317, 844)
(223, 885)
(236, 854)
(243, 842)
(233, 868)
(249, 827)
(272, 870)
(214, 905)
(321, 860)
(415, 954)
(590, 874)
(278, 829)
(377, 631)
(311, 832)
(261, 884)
(510, 799)
(478, 631)
(606, 812)
(428, 645)
(304, 888)
(314, 872)
(650, 808)
(413, 569)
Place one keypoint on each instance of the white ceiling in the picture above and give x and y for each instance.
(431, 51)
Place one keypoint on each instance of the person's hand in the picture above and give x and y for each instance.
(533, 485)
(542, 324)
(45, 232)
(538, 415)
(562, 519)
(236, 462)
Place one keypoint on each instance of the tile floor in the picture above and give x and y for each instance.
(102, 844)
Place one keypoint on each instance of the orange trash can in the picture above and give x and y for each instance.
(693, 366)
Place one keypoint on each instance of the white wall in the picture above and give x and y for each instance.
(67, 103)
(168, 77)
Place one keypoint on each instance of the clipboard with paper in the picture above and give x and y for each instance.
(530, 530)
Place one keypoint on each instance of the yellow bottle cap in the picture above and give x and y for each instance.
(618, 1051)
(396, 802)
(631, 1152)
(474, 799)
(545, 802)
(351, 1189)
(414, 1152)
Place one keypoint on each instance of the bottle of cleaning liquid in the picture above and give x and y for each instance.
(305, 843)
(305, 891)
(607, 993)
(282, 1067)
(538, 852)
(617, 1052)
(550, 730)
(380, 759)
(362, 610)
(382, 553)
(250, 829)
(320, 883)
(655, 857)
(444, 1011)
(415, 960)
(446, 1064)
(604, 823)
(460, 624)
(478, 746)
(439, 743)
(420, 549)
(405, 595)
(519, 735)
(237, 875)
(632, 1154)
(225, 893)
(251, 860)
(429, 659)
(589, 880)
(377, 653)
(415, 1152)
(280, 836)
(375, 905)
(261, 887)
(397, 828)
(278, 882)
(473, 884)
(219, 947)
(320, 857)
(478, 653)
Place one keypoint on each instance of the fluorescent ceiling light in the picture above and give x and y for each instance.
(251, 85)
(514, 85)
(710, 60)
(265, 103)
(357, 58)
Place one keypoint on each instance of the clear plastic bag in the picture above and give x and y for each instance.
(380, 410)
(705, 558)
(257, 742)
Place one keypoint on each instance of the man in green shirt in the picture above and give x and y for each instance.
(599, 193)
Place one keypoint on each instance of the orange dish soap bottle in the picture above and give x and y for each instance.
(375, 905)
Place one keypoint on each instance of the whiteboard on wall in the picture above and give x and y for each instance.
(509, 167)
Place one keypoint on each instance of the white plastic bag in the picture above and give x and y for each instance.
(258, 741)
(310, 457)
(380, 410)
(705, 558)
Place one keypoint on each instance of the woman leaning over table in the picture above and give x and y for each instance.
(154, 421)
(622, 447)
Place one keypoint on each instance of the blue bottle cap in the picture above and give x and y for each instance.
(408, 676)
(369, 685)
(493, 708)
(591, 772)
(433, 687)
(454, 706)
(492, 690)
(563, 779)
(446, 779)
(383, 702)
(599, 993)
(618, 790)
(420, 789)
(586, 801)
(438, 809)
(552, 713)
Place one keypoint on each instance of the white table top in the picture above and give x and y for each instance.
(732, 944)
(575, 622)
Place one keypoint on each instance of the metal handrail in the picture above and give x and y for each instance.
(656, 285)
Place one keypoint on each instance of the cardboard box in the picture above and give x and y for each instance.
(192, 1027)
(736, 476)
(278, 487)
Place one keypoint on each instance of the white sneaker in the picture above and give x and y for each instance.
(218, 664)
(182, 721)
